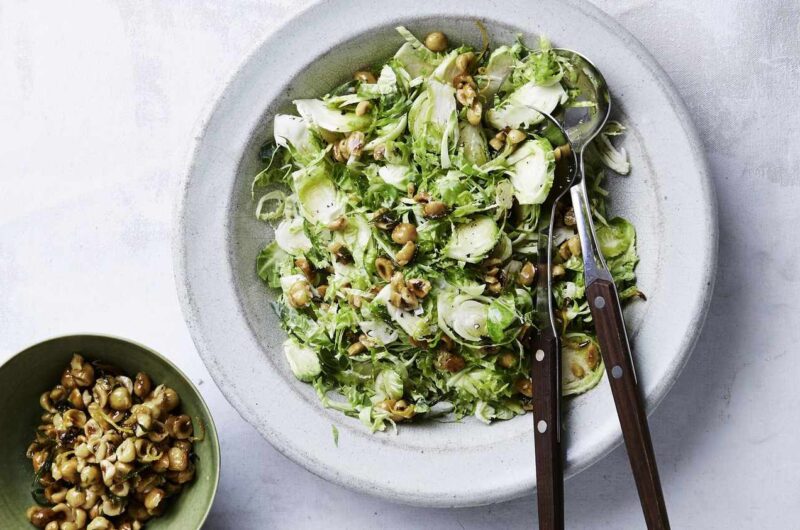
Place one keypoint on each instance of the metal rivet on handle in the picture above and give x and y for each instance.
(616, 372)
(540, 355)
(541, 426)
(599, 302)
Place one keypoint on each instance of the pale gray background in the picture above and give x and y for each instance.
(98, 101)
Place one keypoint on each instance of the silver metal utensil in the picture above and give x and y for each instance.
(545, 347)
(582, 125)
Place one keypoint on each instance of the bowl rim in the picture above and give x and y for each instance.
(209, 420)
(710, 238)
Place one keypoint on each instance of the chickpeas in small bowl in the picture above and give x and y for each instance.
(102, 433)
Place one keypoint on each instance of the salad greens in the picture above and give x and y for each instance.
(405, 208)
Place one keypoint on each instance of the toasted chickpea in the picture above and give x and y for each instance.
(363, 107)
(558, 271)
(524, 386)
(507, 360)
(527, 274)
(52, 525)
(142, 385)
(435, 209)
(515, 136)
(384, 268)
(120, 399)
(406, 254)
(403, 233)
(436, 41)
(574, 244)
(75, 497)
(364, 76)
(299, 294)
(178, 459)
(474, 113)
(464, 61)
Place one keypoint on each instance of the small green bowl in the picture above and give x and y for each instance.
(38, 368)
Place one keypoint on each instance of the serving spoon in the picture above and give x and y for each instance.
(582, 125)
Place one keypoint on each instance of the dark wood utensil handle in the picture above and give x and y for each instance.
(604, 304)
(547, 423)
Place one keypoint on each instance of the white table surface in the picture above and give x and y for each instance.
(98, 101)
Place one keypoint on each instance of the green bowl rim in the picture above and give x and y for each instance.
(206, 411)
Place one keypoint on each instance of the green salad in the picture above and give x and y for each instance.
(405, 206)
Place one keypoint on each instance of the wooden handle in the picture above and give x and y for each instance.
(604, 304)
(547, 424)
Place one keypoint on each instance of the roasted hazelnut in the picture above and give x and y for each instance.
(507, 359)
(464, 61)
(363, 107)
(574, 244)
(569, 217)
(524, 386)
(120, 399)
(406, 254)
(338, 224)
(436, 41)
(299, 294)
(515, 136)
(450, 362)
(403, 233)
(527, 274)
(383, 219)
(474, 113)
(419, 287)
(434, 209)
(364, 76)
(384, 268)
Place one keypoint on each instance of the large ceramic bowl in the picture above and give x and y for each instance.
(668, 196)
(38, 368)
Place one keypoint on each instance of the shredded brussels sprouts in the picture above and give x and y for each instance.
(405, 206)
